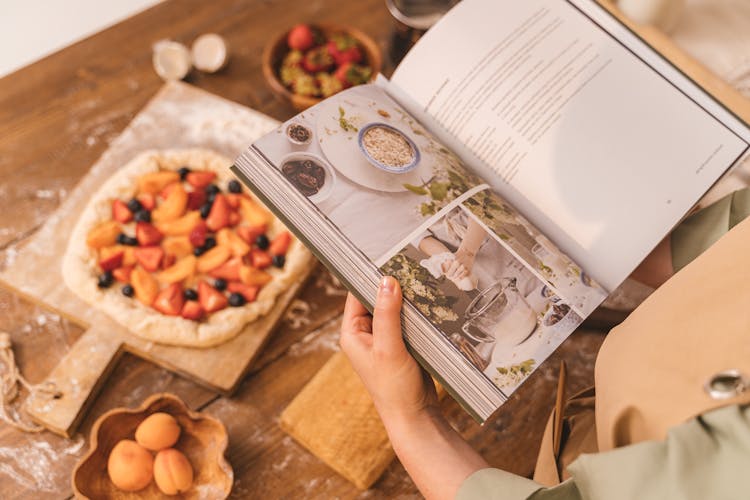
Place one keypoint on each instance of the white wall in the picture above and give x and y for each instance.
(32, 29)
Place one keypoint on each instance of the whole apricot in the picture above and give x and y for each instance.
(172, 472)
(158, 431)
(130, 466)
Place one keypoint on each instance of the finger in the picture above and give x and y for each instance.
(353, 309)
(454, 265)
(462, 272)
(386, 322)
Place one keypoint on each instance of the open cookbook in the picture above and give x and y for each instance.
(522, 161)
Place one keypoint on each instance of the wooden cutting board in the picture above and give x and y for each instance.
(179, 116)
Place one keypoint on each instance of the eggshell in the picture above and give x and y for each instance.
(172, 472)
(158, 431)
(130, 466)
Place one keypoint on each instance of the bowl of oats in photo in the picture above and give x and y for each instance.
(387, 148)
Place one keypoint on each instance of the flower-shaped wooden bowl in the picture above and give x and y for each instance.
(275, 51)
(203, 440)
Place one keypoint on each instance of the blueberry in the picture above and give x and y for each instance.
(205, 210)
(134, 205)
(198, 251)
(124, 239)
(142, 216)
(234, 186)
(128, 291)
(190, 294)
(262, 241)
(212, 189)
(279, 260)
(220, 284)
(183, 171)
(236, 300)
(209, 243)
(105, 280)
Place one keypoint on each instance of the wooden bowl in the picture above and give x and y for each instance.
(274, 53)
(203, 440)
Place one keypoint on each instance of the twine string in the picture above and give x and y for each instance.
(10, 380)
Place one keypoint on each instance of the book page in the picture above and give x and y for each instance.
(490, 282)
(595, 148)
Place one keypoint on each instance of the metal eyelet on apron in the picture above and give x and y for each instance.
(726, 384)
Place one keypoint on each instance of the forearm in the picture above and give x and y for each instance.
(475, 235)
(436, 457)
(432, 246)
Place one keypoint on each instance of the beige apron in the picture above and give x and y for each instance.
(652, 369)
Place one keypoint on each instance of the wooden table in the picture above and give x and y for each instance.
(56, 118)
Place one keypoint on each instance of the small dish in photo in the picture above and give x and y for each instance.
(388, 148)
(298, 134)
(310, 174)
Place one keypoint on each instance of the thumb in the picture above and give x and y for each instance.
(386, 320)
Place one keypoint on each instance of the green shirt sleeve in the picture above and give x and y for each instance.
(707, 457)
(704, 228)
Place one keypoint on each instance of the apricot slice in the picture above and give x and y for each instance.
(254, 214)
(213, 258)
(251, 276)
(154, 182)
(181, 226)
(103, 235)
(179, 246)
(145, 286)
(173, 207)
(182, 269)
(228, 238)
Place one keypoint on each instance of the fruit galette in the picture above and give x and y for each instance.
(176, 249)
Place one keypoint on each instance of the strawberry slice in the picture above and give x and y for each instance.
(249, 292)
(251, 233)
(147, 235)
(210, 298)
(280, 244)
(148, 201)
(230, 270)
(170, 300)
(121, 212)
(122, 274)
(112, 262)
(192, 310)
(200, 179)
(198, 235)
(218, 217)
(260, 259)
(149, 257)
(145, 286)
(196, 199)
(168, 260)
